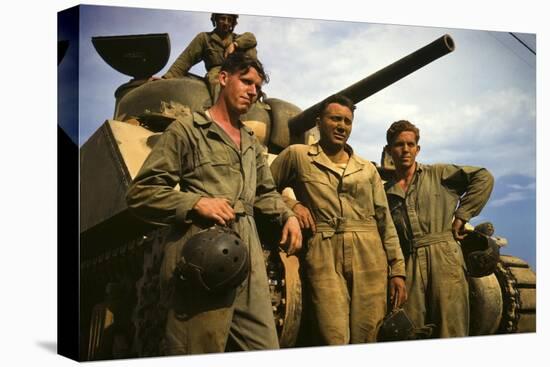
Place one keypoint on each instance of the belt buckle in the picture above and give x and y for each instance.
(335, 222)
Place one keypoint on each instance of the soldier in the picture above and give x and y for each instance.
(222, 175)
(213, 48)
(354, 247)
(430, 205)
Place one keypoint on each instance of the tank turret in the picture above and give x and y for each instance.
(277, 123)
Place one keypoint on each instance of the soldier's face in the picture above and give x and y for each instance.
(335, 125)
(240, 90)
(224, 23)
(404, 150)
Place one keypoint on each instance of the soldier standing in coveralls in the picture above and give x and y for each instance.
(223, 176)
(354, 248)
(213, 48)
(430, 205)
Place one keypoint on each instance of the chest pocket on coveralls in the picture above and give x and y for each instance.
(317, 186)
(359, 188)
(316, 182)
(213, 169)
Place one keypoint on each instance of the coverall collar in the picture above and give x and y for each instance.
(395, 189)
(205, 122)
(318, 156)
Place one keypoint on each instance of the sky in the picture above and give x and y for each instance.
(475, 106)
(32, 252)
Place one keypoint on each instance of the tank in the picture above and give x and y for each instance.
(120, 256)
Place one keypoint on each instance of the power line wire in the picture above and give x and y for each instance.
(523, 43)
(510, 49)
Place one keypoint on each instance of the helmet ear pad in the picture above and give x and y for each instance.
(213, 260)
(481, 254)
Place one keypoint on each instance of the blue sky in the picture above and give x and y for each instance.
(475, 106)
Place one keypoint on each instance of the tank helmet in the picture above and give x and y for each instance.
(398, 326)
(213, 260)
(486, 228)
(215, 15)
(481, 254)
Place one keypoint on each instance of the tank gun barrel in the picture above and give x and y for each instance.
(379, 80)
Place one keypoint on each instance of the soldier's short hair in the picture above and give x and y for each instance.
(398, 127)
(339, 99)
(241, 62)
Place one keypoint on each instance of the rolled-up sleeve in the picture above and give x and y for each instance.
(192, 55)
(268, 200)
(246, 40)
(284, 174)
(474, 184)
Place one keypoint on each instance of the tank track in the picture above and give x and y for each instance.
(518, 284)
(276, 279)
(149, 314)
(146, 314)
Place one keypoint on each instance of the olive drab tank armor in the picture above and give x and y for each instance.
(213, 260)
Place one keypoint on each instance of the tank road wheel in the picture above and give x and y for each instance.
(286, 294)
(293, 297)
(518, 284)
(485, 305)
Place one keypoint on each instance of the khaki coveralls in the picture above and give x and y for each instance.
(210, 48)
(436, 279)
(197, 154)
(348, 258)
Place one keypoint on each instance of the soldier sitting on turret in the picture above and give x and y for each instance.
(213, 48)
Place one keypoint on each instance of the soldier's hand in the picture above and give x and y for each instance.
(291, 237)
(398, 292)
(217, 209)
(304, 217)
(459, 232)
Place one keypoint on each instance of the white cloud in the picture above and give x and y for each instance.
(516, 192)
(494, 131)
(474, 106)
(510, 197)
(529, 187)
(471, 109)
